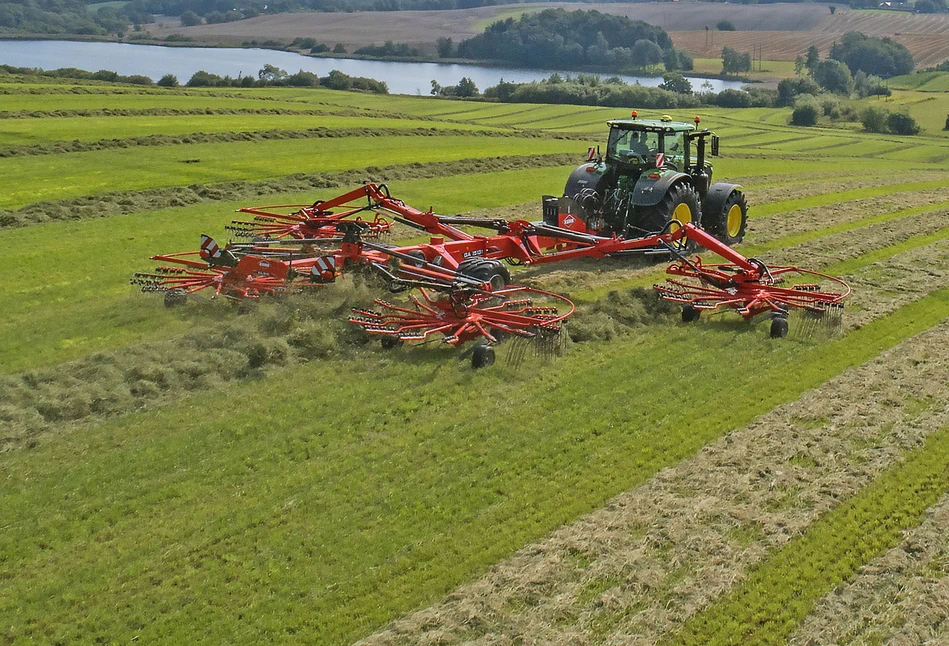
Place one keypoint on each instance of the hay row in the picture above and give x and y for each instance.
(76, 146)
(126, 202)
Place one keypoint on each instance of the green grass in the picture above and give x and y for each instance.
(136, 100)
(297, 499)
(780, 592)
(32, 179)
(17, 132)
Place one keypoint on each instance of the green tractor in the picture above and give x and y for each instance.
(654, 178)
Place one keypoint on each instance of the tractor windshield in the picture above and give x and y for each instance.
(632, 146)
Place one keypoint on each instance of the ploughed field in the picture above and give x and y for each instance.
(211, 474)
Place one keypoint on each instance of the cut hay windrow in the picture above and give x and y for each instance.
(62, 147)
(902, 595)
(153, 199)
(768, 606)
(639, 567)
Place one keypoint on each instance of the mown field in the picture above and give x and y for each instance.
(213, 475)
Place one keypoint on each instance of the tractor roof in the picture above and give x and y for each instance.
(665, 124)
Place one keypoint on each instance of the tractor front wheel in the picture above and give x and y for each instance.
(679, 206)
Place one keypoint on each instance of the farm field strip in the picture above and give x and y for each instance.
(786, 231)
(779, 593)
(637, 568)
(81, 174)
(823, 199)
(66, 130)
(900, 284)
(900, 595)
(135, 202)
(12, 105)
(568, 473)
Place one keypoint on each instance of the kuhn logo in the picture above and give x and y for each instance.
(567, 221)
(469, 254)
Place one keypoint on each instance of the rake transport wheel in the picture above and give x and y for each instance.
(679, 206)
(779, 327)
(690, 314)
(729, 224)
(493, 272)
(482, 356)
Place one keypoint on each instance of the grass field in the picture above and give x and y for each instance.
(206, 475)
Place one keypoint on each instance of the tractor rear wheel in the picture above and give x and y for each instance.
(486, 270)
(730, 223)
(679, 206)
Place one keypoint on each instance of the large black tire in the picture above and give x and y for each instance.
(729, 224)
(493, 272)
(680, 204)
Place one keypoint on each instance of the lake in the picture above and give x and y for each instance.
(155, 61)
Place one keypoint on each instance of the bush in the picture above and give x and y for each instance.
(190, 19)
(805, 115)
(874, 119)
(902, 124)
(303, 79)
(675, 82)
(733, 99)
(168, 80)
(725, 25)
(790, 89)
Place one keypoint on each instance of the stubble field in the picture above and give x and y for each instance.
(205, 475)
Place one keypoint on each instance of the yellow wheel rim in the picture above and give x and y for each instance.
(683, 215)
(733, 222)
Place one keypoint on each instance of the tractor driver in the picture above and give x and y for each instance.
(638, 145)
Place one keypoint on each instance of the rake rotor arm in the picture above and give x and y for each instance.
(426, 220)
(700, 237)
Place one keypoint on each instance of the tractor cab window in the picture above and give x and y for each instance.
(633, 146)
(673, 143)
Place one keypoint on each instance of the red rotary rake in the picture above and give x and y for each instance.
(314, 221)
(463, 287)
(748, 287)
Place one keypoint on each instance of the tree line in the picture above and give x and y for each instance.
(575, 40)
(268, 76)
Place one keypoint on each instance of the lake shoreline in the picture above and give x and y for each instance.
(487, 64)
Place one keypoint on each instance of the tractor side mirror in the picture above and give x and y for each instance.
(714, 145)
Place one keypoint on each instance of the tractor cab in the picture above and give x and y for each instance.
(636, 145)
